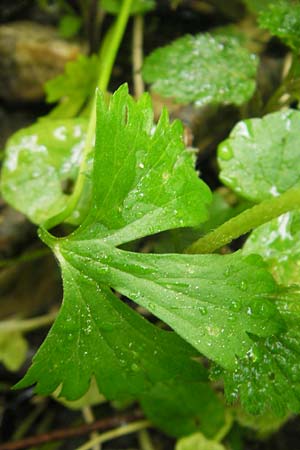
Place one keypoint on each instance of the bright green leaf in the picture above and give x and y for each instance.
(144, 182)
(41, 161)
(202, 69)
(13, 350)
(195, 295)
(257, 6)
(282, 19)
(138, 6)
(73, 89)
(261, 157)
(198, 441)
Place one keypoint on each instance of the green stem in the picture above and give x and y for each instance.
(108, 57)
(28, 256)
(246, 221)
(122, 431)
(26, 325)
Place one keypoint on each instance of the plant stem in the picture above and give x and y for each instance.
(28, 256)
(246, 221)
(145, 440)
(106, 65)
(71, 432)
(137, 55)
(27, 325)
(89, 417)
(121, 431)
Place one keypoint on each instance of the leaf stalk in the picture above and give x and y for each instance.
(246, 221)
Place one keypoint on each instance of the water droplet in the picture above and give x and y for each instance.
(135, 367)
(235, 306)
(203, 310)
(243, 286)
(141, 166)
(225, 152)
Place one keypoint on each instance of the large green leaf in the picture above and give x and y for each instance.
(40, 162)
(202, 69)
(261, 157)
(144, 182)
(282, 19)
(195, 295)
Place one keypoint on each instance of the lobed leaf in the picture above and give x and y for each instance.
(144, 183)
(74, 88)
(261, 157)
(202, 69)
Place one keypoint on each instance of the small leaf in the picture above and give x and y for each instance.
(69, 25)
(260, 159)
(138, 6)
(198, 441)
(278, 242)
(202, 69)
(13, 350)
(282, 19)
(73, 89)
(40, 162)
(203, 410)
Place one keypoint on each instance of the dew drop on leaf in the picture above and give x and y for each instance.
(225, 152)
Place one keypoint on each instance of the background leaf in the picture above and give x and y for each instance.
(278, 242)
(74, 88)
(13, 350)
(41, 161)
(260, 159)
(202, 69)
(282, 19)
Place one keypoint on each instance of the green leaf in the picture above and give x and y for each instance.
(278, 242)
(257, 6)
(69, 25)
(73, 89)
(198, 442)
(138, 6)
(13, 350)
(144, 182)
(202, 69)
(40, 162)
(269, 377)
(261, 157)
(97, 334)
(179, 420)
(282, 19)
